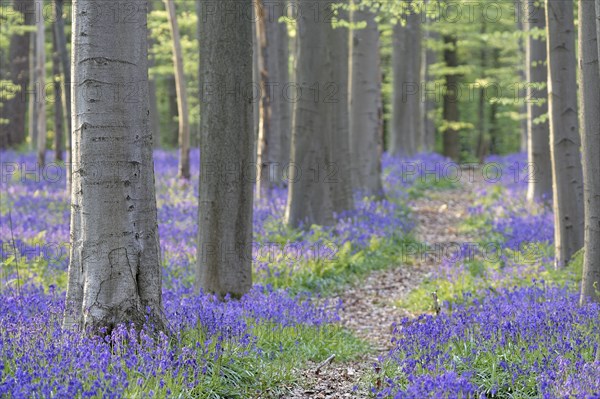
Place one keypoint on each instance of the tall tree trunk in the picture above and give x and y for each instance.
(313, 171)
(182, 101)
(523, 77)
(32, 94)
(173, 137)
(154, 116)
(15, 109)
(40, 81)
(274, 127)
(340, 164)
(114, 270)
(366, 113)
(536, 97)
(589, 75)
(406, 100)
(58, 102)
(482, 141)
(450, 101)
(429, 105)
(227, 134)
(564, 131)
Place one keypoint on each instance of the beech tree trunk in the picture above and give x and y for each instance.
(366, 109)
(589, 84)
(538, 134)
(58, 102)
(340, 165)
(450, 101)
(182, 102)
(275, 125)
(564, 131)
(154, 116)
(318, 118)
(114, 270)
(429, 105)
(40, 104)
(406, 99)
(227, 135)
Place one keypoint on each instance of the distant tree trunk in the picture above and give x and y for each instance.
(429, 105)
(33, 94)
(450, 101)
(15, 109)
(564, 131)
(339, 54)
(114, 271)
(538, 149)
(310, 199)
(589, 75)
(406, 99)
(274, 128)
(58, 104)
(227, 134)
(482, 142)
(154, 116)
(494, 128)
(523, 77)
(173, 137)
(366, 111)
(41, 82)
(182, 101)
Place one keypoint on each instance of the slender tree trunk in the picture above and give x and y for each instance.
(450, 101)
(33, 94)
(564, 131)
(429, 105)
(58, 102)
(523, 77)
(310, 195)
(536, 97)
(154, 116)
(15, 109)
(482, 142)
(173, 113)
(274, 127)
(227, 134)
(114, 270)
(41, 82)
(589, 75)
(340, 164)
(366, 124)
(406, 100)
(182, 102)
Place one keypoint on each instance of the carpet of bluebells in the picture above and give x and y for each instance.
(504, 332)
(508, 335)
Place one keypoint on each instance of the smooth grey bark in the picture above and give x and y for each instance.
(59, 126)
(40, 69)
(275, 124)
(114, 271)
(564, 131)
(226, 143)
(339, 53)
(317, 119)
(182, 101)
(536, 97)
(589, 84)
(32, 97)
(173, 128)
(429, 105)
(523, 77)
(366, 109)
(154, 116)
(15, 108)
(406, 98)
(450, 112)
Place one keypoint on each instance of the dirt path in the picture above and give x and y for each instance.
(369, 308)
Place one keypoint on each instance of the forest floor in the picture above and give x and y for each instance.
(370, 308)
